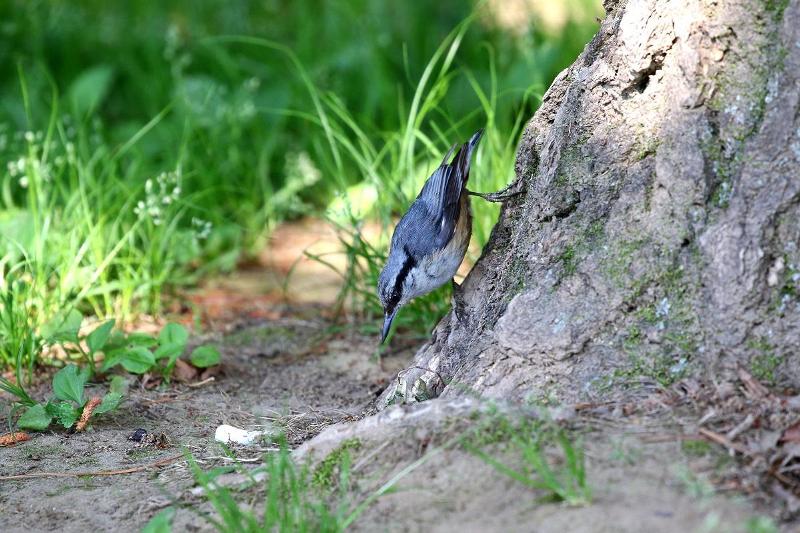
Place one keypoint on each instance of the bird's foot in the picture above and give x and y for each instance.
(511, 191)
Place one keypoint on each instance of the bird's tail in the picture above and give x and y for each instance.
(463, 158)
(448, 182)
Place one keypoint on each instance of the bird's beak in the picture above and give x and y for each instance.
(387, 324)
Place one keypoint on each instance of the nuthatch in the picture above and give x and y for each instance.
(431, 239)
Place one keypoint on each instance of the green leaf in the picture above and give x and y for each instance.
(118, 385)
(63, 327)
(115, 341)
(35, 418)
(113, 358)
(68, 383)
(65, 412)
(171, 351)
(138, 360)
(89, 89)
(110, 402)
(204, 356)
(160, 523)
(173, 334)
(140, 339)
(97, 339)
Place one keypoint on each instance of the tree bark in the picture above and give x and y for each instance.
(659, 232)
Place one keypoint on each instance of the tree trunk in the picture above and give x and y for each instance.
(659, 232)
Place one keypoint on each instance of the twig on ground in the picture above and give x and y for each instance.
(706, 417)
(587, 406)
(723, 440)
(740, 428)
(167, 398)
(237, 459)
(201, 383)
(668, 437)
(754, 388)
(133, 470)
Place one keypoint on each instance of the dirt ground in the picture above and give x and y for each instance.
(285, 369)
(268, 379)
(287, 373)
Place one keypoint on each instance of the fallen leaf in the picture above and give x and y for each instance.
(10, 439)
(212, 371)
(792, 433)
(184, 372)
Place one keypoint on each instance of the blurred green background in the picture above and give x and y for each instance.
(144, 145)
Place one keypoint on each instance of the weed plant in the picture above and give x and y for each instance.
(292, 502)
(551, 459)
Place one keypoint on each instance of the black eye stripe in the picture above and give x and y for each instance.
(409, 263)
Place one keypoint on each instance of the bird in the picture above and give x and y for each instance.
(431, 239)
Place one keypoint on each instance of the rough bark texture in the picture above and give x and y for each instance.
(659, 230)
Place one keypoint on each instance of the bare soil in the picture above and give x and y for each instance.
(269, 379)
(294, 375)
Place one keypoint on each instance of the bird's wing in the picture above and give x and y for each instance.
(419, 232)
(441, 195)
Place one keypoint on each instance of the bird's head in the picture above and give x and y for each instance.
(394, 286)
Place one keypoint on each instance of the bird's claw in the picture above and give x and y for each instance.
(500, 196)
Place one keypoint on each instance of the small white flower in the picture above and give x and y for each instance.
(23, 182)
(29, 136)
(203, 228)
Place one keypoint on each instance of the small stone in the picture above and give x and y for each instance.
(137, 435)
(233, 435)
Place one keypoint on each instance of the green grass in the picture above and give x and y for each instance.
(291, 502)
(324, 474)
(295, 497)
(764, 362)
(548, 458)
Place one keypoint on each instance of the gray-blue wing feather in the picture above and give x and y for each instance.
(430, 223)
